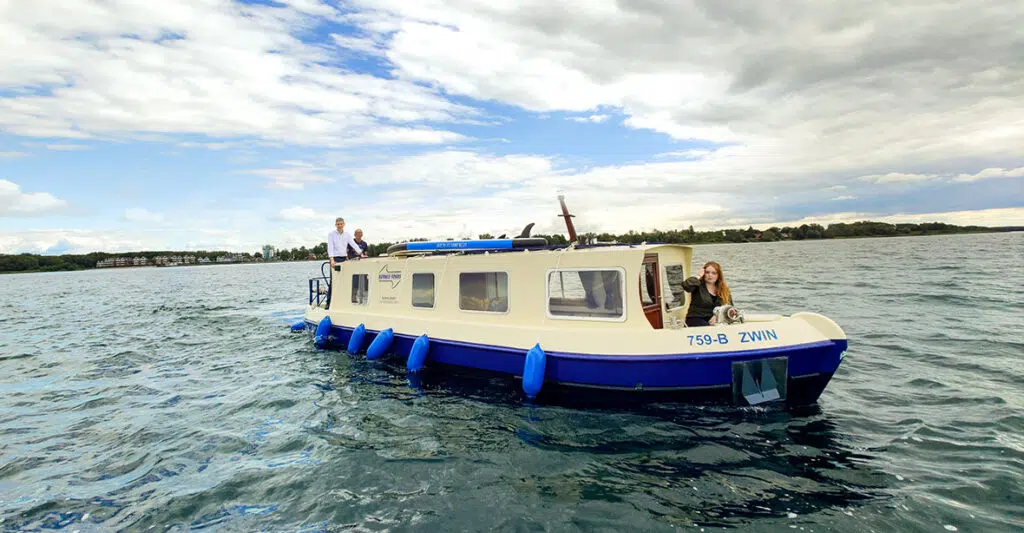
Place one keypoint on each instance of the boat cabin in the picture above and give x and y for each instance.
(628, 286)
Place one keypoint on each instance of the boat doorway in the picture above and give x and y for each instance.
(650, 290)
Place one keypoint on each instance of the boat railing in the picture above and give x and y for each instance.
(318, 290)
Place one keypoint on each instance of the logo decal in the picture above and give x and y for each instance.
(394, 277)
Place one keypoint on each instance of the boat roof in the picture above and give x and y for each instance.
(605, 247)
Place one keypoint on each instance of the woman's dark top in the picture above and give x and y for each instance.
(701, 302)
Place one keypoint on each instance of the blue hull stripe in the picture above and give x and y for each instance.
(620, 371)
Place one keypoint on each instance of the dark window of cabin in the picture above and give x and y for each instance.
(647, 284)
(586, 294)
(423, 290)
(674, 277)
(483, 291)
(360, 288)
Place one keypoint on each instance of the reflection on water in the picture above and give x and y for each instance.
(706, 465)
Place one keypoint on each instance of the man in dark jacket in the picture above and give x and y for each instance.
(362, 244)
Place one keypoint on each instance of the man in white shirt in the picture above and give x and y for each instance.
(338, 242)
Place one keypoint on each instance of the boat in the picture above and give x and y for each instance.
(576, 318)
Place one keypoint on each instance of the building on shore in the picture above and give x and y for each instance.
(174, 260)
(268, 252)
(115, 262)
(170, 260)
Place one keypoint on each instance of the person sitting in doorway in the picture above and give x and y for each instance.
(707, 291)
(363, 246)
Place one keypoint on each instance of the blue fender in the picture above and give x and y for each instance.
(533, 371)
(323, 331)
(415, 381)
(380, 345)
(355, 342)
(418, 354)
(298, 326)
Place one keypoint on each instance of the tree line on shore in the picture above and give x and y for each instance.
(837, 230)
(50, 263)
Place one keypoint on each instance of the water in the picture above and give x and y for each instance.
(175, 399)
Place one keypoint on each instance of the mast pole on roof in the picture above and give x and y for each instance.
(568, 220)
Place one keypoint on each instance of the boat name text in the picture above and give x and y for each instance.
(757, 336)
(744, 337)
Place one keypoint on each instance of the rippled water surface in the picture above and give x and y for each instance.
(175, 399)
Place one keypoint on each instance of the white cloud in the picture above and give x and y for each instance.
(990, 173)
(458, 172)
(118, 69)
(834, 188)
(80, 241)
(360, 45)
(489, 193)
(898, 177)
(238, 230)
(312, 7)
(595, 119)
(14, 203)
(75, 241)
(12, 155)
(294, 175)
(301, 214)
(796, 90)
(456, 192)
(67, 147)
(685, 154)
(215, 146)
(386, 135)
(138, 214)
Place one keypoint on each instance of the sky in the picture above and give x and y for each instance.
(221, 125)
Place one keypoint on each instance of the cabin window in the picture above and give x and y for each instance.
(360, 288)
(647, 282)
(423, 290)
(674, 277)
(483, 291)
(588, 294)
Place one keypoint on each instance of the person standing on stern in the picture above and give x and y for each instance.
(338, 242)
(707, 291)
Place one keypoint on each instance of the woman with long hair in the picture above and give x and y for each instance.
(707, 291)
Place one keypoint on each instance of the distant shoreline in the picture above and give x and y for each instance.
(133, 267)
(855, 237)
(30, 263)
